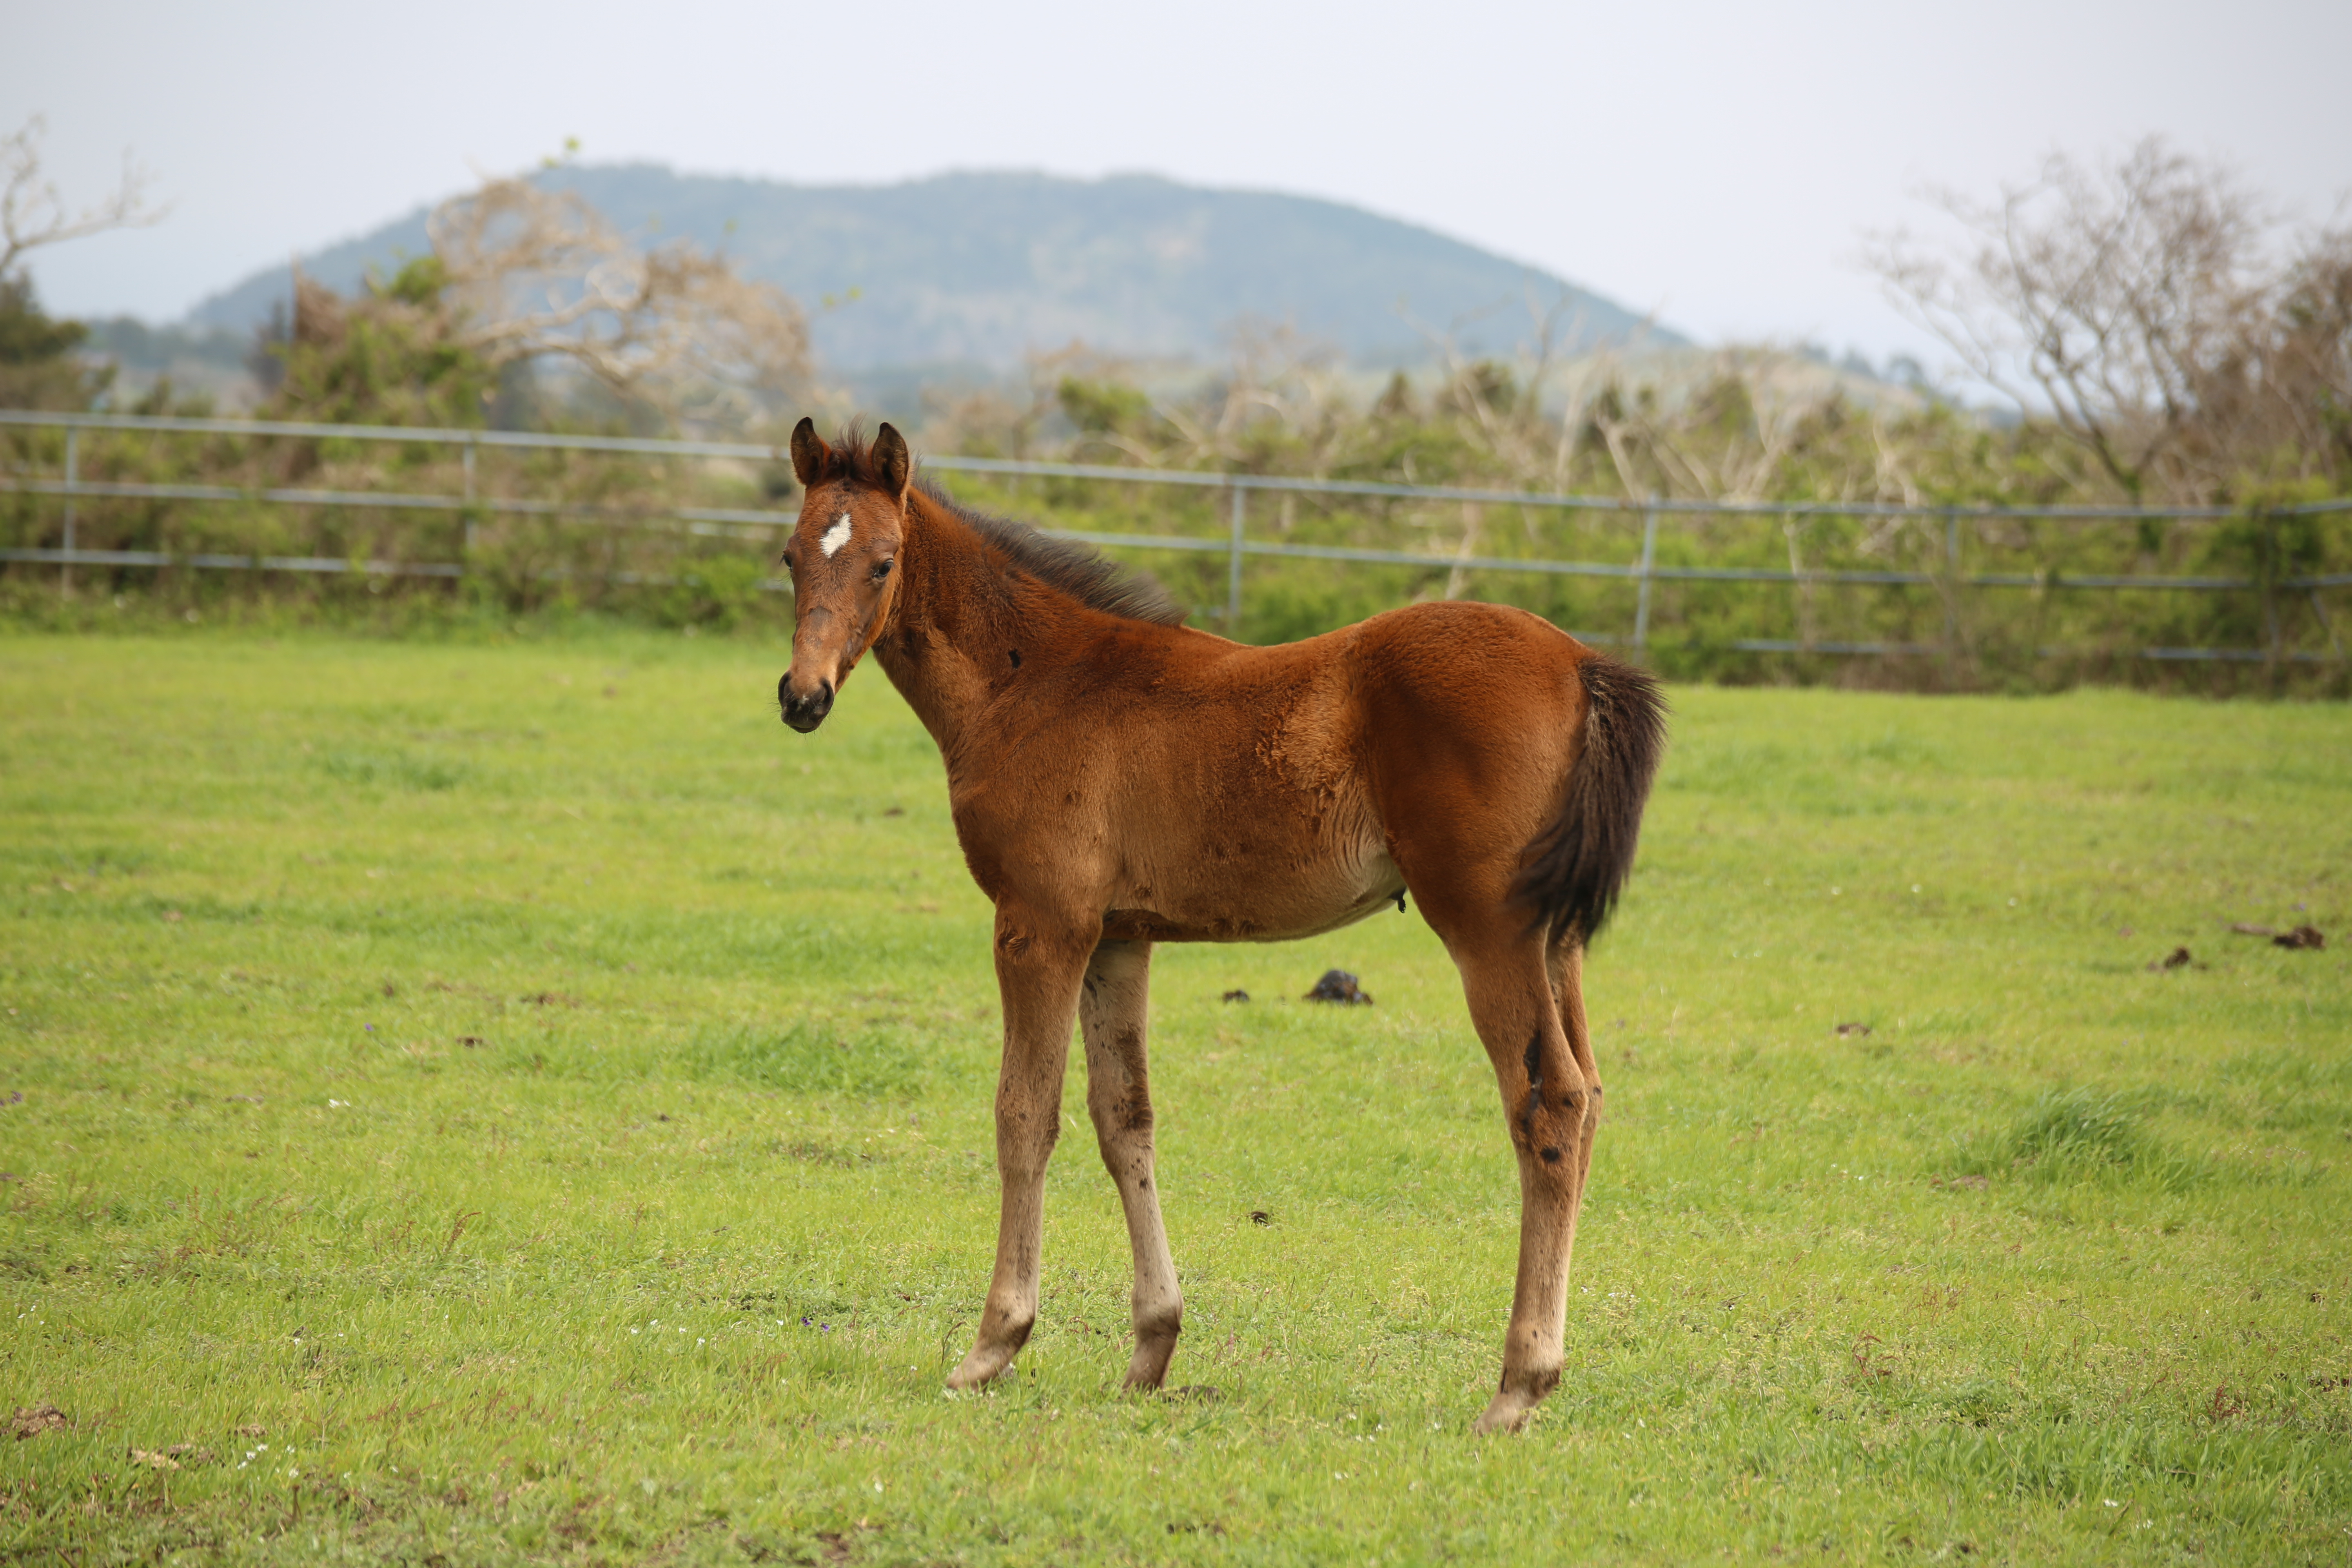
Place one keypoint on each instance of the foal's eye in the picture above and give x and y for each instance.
(882, 568)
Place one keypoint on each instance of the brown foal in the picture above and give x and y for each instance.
(1118, 779)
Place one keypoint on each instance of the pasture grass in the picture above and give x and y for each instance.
(519, 1103)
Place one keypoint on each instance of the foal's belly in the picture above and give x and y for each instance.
(1244, 902)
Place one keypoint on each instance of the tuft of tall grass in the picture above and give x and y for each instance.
(393, 769)
(2076, 1135)
(814, 1057)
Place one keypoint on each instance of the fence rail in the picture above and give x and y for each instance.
(71, 488)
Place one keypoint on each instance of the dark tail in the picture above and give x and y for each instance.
(1578, 866)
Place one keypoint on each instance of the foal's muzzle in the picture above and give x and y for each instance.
(804, 713)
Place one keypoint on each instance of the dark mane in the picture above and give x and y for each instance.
(1064, 564)
(1076, 569)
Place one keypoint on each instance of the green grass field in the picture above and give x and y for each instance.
(522, 1103)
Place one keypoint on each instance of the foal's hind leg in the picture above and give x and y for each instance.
(1550, 1102)
(1513, 985)
(1567, 966)
(1119, 1095)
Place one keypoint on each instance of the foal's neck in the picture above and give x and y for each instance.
(958, 625)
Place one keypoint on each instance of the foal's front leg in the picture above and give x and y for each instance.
(1118, 1096)
(1038, 966)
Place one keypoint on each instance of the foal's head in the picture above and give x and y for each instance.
(844, 559)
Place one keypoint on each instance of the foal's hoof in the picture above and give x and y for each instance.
(1149, 1369)
(978, 1369)
(1508, 1413)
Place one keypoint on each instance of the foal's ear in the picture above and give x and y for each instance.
(810, 453)
(892, 461)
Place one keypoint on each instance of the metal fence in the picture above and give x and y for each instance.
(69, 487)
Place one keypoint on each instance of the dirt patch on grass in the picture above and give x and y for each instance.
(32, 1420)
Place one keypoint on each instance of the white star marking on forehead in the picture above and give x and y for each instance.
(836, 537)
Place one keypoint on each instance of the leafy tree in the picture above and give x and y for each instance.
(394, 355)
(40, 366)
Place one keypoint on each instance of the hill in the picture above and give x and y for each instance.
(970, 271)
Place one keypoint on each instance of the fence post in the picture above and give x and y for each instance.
(1952, 591)
(73, 482)
(1233, 566)
(2274, 635)
(465, 551)
(1648, 559)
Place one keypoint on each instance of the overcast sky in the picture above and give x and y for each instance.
(1717, 163)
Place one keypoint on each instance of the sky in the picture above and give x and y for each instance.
(1722, 166)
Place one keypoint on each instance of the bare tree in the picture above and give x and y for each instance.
(1728, 432)
(33, 213)
(537, 274)
(2115, 297)
(1278, 381)
(1504, 403)
(2281, 407)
